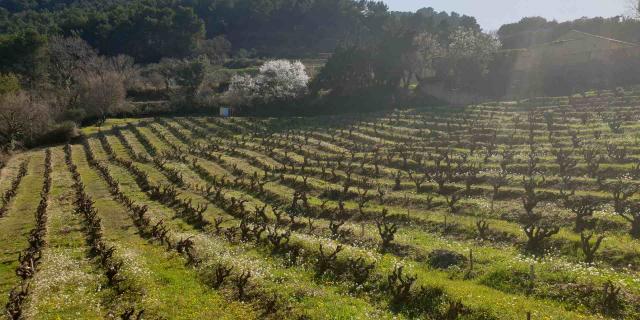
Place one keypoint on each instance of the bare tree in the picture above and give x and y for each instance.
(22, 118)
(100, 94)
(69, 56)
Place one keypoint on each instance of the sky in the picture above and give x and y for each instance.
(491, 14)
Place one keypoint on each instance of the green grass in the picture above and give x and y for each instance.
(18, 222)
(313, 298)
(167, 288)
(67, 284)
(161, 282)
(438, 279)
(570, 274)
(107, 125)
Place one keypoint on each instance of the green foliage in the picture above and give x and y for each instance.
(9, 83)
(507, 280)
(60, 133)
(346, 72)
(190, 74)
(149, 30)
(75, 114)
(146, 30)
(399, 49)
(216, 49)
(24, 53)
(467, 59)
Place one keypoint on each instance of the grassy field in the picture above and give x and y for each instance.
(496, 211)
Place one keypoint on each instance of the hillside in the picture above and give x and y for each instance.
(412, 214)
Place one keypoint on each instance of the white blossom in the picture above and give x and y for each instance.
(276, 80)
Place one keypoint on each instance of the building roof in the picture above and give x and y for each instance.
(575, 35)
(572, 47)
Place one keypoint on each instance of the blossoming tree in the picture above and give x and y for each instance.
(276, 80)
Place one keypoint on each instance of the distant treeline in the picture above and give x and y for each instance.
(380, 59)
(149, 30)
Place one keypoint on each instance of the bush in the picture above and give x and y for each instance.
(23, 120)
(9, 83)
(75, 114)
(507, 280)
(60, 133)
(444, 259)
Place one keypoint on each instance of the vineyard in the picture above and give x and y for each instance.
(500, 211)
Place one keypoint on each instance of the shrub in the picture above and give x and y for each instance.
(23, 119)
(59, 133)
(507, 279)
(444, 259)
(9, 83)
(75, 114)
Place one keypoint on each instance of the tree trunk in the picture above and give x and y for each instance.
(635, 227)
(580, 223)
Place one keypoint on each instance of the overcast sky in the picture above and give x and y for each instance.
(491, 14)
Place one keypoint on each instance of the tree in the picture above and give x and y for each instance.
(276, 80)
(517, 35)
(86, 84)
(348, 71)
(186, 75)
(467, 60)
(100, 94)
(282, 79)
(148, 32)
(68, 56)
(190, 74)
(422, 60)
(100, 86)
(395, 50)
(22, 119)
(243, 89)
(216, 49)
(24, 54)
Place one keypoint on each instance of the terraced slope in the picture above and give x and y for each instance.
(497, 211)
